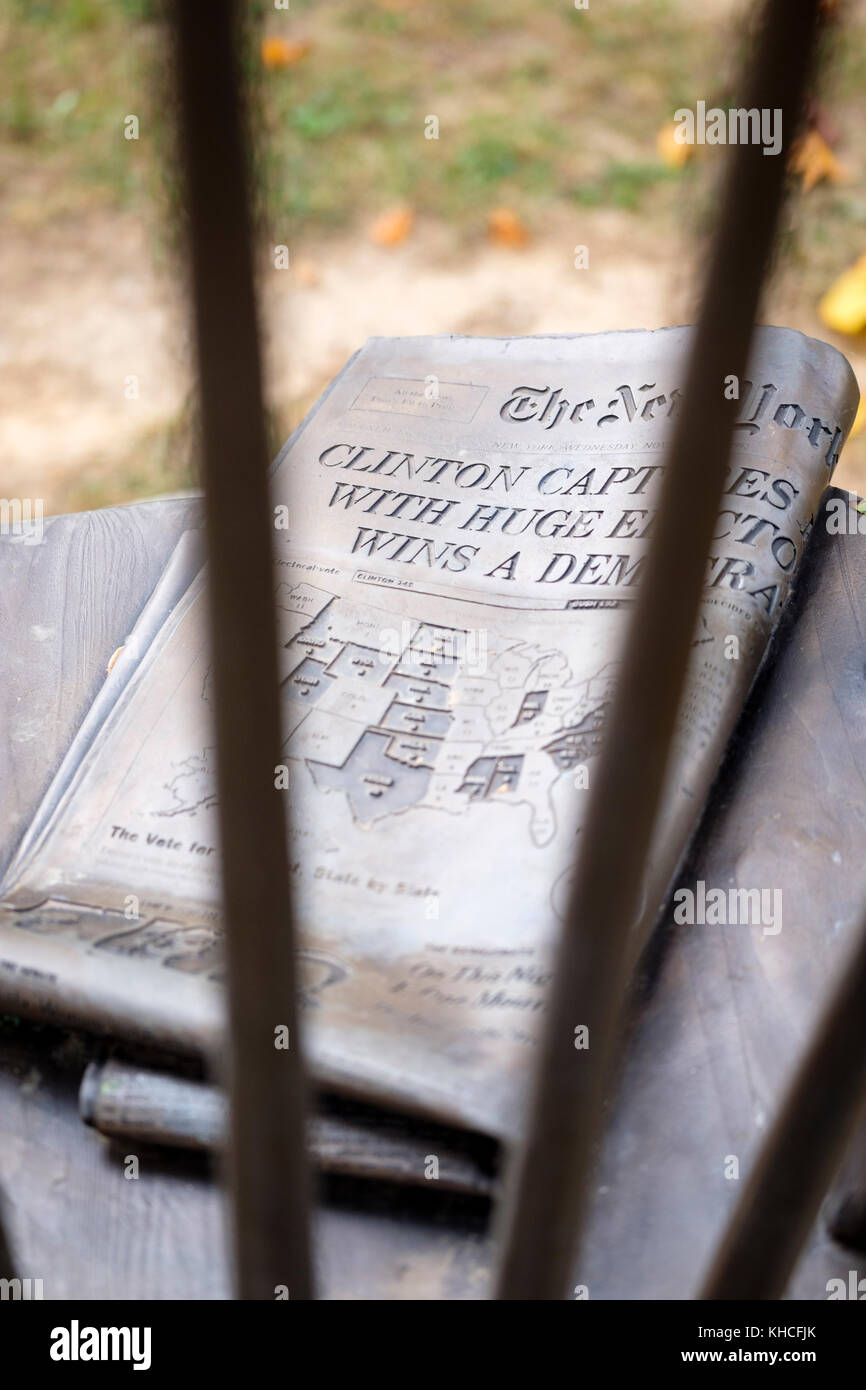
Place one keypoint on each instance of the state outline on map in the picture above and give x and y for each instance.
(389, 769)
(379, 720)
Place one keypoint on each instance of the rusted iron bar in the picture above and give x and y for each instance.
(799, 1156)
(267, 1158)
(552, 1172)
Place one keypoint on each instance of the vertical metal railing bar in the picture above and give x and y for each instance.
(547, 1190)
(267, 1162)
(846, 1204)
(802, 1151)
(7, 1264)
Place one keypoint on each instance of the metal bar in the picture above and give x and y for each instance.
(551, 1174)
(846, 1205)
(799, 1156)
(267, 1157)
(7, 1264)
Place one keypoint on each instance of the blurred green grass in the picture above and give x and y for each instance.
(534, 106)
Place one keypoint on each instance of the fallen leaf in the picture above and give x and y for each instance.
(392, 227)
(671, 151)
(307, 274)
(505, 228)
(843, 307)
(814, 160)
(281, 53)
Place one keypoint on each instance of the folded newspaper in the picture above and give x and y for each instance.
(461, 526)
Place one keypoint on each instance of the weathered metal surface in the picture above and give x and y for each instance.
(714, 1037)
(443, 717)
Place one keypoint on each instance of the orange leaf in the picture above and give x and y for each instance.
(670, 150)
(814, 160)
(392, 227)
(506, 229)
(843, 307)
(307, 273)
(281, 53)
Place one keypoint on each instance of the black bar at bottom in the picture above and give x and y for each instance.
(228, 1338)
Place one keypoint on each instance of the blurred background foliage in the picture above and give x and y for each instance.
(547, 114)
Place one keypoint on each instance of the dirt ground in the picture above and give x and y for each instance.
(94, 345)
(68, 427)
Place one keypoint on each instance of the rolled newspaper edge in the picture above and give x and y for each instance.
(126, 1101)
